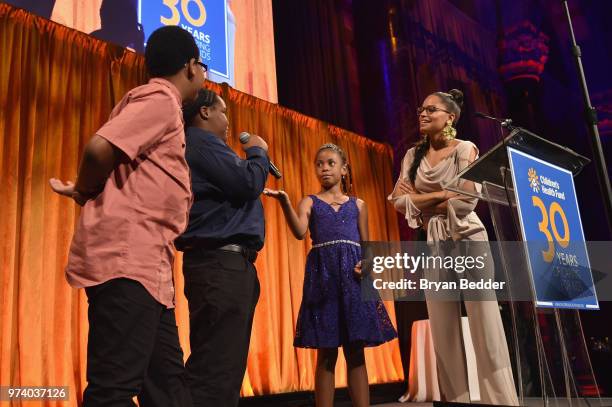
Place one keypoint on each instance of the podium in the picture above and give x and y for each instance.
(545, 337)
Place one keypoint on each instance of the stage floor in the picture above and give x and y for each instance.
(529, 402)
(385, 395)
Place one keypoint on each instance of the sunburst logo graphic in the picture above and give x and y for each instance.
(534, 183)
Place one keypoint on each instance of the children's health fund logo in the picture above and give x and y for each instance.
(551, 226)
(533, 180)
(206, 20)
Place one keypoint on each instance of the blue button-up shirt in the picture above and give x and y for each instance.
(226, 207)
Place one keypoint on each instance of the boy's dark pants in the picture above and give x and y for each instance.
(133, 349)
(222, 290)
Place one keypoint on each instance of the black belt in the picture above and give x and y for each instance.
(248, 254)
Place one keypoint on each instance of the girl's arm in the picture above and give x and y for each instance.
(297, 221)
(364, 232)
(363, 220)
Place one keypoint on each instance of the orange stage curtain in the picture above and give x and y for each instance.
(57, 86)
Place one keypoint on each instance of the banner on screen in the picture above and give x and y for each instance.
(551, 225)
(206, 20)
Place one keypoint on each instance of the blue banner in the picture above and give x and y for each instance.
(206, 20)
(551, 226)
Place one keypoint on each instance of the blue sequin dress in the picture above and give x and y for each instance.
(333, 312)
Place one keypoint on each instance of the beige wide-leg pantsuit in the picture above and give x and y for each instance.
(460, 224)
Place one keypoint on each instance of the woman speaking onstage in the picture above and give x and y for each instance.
(447, 216)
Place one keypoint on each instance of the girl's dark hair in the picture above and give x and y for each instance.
(347, 182)
(453, 101)
(168, 50)
(206, 97)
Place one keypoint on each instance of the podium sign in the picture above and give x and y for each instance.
(206, 20)
(552, 229)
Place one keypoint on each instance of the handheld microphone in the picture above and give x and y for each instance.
(244, 138)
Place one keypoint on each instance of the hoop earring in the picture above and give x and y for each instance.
(449, 131)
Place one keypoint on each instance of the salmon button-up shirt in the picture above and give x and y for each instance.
(128, 230)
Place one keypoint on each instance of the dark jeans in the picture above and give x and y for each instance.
(222, 290)
(133, 349)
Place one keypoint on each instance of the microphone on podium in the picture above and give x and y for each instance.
(506, 123)
(244, 138)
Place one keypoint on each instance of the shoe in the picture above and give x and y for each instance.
(404, 398)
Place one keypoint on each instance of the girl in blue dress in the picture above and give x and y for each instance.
(333, 313)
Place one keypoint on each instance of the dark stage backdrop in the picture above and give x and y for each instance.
(366, 65)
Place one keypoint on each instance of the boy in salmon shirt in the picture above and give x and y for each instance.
(134, 186)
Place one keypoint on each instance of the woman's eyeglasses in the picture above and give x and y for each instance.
(429, 110)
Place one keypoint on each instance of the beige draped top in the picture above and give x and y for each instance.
(460, 222)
